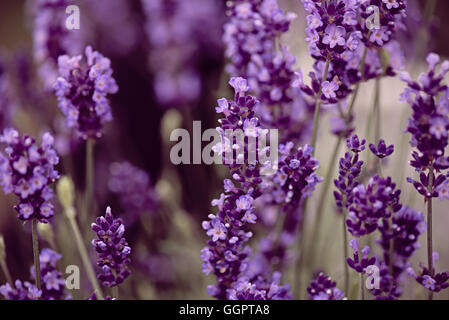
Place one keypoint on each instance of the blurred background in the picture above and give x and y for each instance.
(164, 229)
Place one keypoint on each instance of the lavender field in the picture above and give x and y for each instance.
(230, 150)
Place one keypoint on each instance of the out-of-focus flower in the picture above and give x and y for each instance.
(6, 108)
(53, 284)
(28, 170)
(51, 38)
(134, 189)
(112, 248)
(20, 291)
(179, 32)
(82, 89)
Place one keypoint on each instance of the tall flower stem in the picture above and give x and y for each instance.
(429, 228)
(345, 253)
(3, 264)
(89, 177)
(37, 264)
(70, 214)
(115, 292)
(333, 160)
(362, 286)
(322, 199)
(316, 116)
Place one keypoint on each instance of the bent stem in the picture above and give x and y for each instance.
(70, 214)
(429, 228)
(316, 116)
(37, 264)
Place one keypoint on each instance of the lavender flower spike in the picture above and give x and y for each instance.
(112, 248)
(28, 171)
(323, 288)
(82, 88)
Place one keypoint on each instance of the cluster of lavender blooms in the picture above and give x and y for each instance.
(349, 170)
(323, 288)
(112, 248)
(428, 127)
(53, 284)
(177, 30)
(433, 282)
(134, 189)
(293, 182)
(51, 38)
(20, 291)
(226, 255)
(337, 32)
(82, 89)
(377, 207)
(28, 170)
(251, 34)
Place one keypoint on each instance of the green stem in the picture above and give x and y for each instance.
(345, 253)
(5, 270)
(316, 116)
(115, 292)
(70, 213)
(322, 199)
(429, 228)
(362, 286)
(37, 264)
(89, 177)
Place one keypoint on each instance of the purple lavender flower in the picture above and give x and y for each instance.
(251, 33)
(350, 168)
(28, 171)
(323, 288)
(226, 256)
(20, 291)
(82, 88)
(428, 125)
(330, 28)
(368, 205)
(432, 281)
(381, 150)
(246, 290)
(53, 284)
(360, 263)
(391, 13)
(112, 248)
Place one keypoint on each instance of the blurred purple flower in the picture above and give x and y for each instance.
(82, 88)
